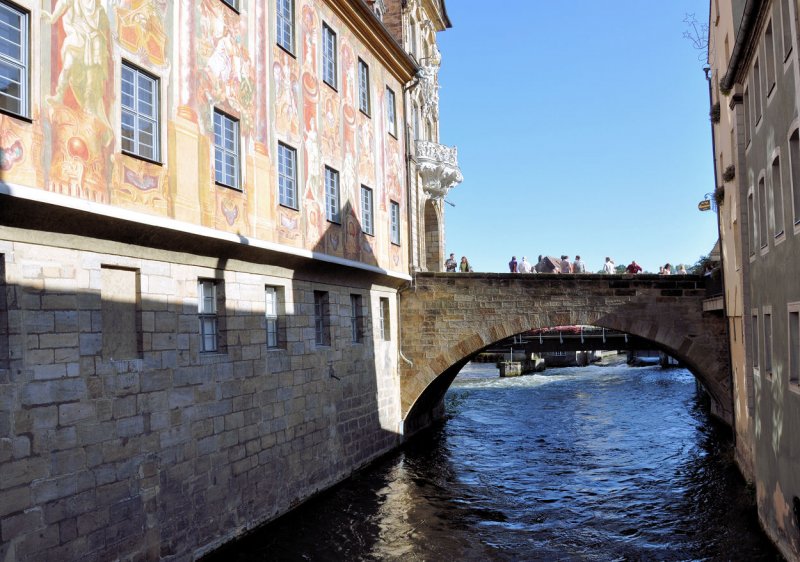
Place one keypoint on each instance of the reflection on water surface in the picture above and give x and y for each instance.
(594, 463)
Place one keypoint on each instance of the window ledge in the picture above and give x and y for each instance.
(16, 115)
(140, 157)
(287, 51)
(219, 183)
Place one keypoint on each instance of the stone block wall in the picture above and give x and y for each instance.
(171, 452)
(449, 317)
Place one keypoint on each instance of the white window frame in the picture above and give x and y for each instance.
(367, 211)
(769, 58)
(332, 196)
(747, 118)
(322, 320)
(284, 22)
(384, 319)
(287, 176)
(394, 219)
(391, 112)
(363, 87)
(356, 318)
(227, 161)
(786, 29)
(17, 65)
(776, 196)
(755, 348)
(793, 335)
(207, 314)
(271, 315)
(768, 341)
(757, 91)
(134, 109)
(763, 210)
(752, 216)
(329, 59)
(794, 175)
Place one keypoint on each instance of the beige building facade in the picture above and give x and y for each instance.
(206, 212)
(755, 77)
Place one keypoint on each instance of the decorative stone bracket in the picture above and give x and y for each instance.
(438, 166)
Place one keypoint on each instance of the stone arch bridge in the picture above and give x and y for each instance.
(448, 318)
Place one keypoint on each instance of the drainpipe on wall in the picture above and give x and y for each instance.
(406, 89)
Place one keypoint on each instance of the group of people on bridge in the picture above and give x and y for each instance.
(551, 264)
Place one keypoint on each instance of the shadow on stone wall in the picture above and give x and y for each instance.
(173, 451)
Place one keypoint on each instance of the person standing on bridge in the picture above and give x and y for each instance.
(450, 265)
(512, 265)
(566, 267)
(633, 268)
(464, 266)
(525, 265)
(578, 266)
(609, 267)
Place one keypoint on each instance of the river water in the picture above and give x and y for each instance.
(593, 463)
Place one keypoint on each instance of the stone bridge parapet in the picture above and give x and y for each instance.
(447, 318)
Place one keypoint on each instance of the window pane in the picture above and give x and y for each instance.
(226, 150)
(139, 99)
(794, 163)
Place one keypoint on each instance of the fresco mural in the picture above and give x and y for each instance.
(287, 115)
(229, 62)
(225, 80)
(20, 152)
(313, 194)
(139, 29)
(78, 108)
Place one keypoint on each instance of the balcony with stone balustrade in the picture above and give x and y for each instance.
(438, 167)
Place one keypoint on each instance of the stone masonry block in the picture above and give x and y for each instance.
(69, 414)
(16, 525)
(14, 500)
(60, 390)
(50, 489)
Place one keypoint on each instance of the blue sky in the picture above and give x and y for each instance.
(582, 128)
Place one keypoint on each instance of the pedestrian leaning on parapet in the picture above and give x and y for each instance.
(525, 265)
(609, 267)
(633, 268)
(450, 264)
(512, 265)
(578, 266)
(464, 266)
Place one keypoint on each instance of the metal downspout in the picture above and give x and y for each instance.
(406, 89)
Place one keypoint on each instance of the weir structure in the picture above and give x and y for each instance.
(446, 319)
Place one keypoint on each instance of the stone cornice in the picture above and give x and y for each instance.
(437, 14)
(371, 32)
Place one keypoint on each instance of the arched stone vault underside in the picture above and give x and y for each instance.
(445, 319)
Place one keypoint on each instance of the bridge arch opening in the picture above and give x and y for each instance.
(446, 318)
(429, 405)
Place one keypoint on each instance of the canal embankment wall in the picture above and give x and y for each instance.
(168, 451)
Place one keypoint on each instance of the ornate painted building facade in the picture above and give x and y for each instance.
(205, 215)
(432, 167)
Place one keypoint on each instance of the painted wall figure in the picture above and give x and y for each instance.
(140, 29)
